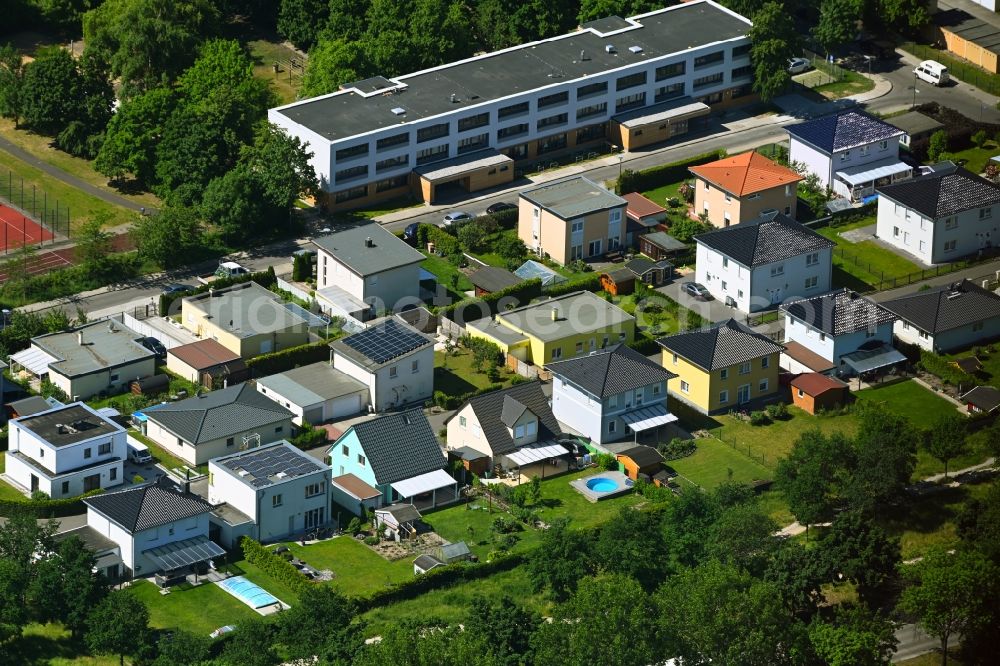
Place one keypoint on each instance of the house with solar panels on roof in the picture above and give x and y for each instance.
(397, 457)
(727, 366)
(850, 151)
(758, 264)
(947, 318)
(941, 216)
(393, 359)
(159, 528)
(840, 333)
(284, 491)
(611, 394)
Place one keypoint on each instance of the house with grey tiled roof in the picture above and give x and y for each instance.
(724, 367)
(214, 424)
(757, 265)
(399, 456)
(947, 318)
(159, 528)
(941, 216)
(611, 394)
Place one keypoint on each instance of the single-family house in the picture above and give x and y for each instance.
(724, 367)
(316, 393)
(570, 219)
(107, 555)
(813, 392)
(159, 528)
(756, 265)
(392, 359)
(363, 270)
(214, 424)
(850, 333)
(647, 271)
(245, 318)
(66, 451)
(658, 245)
(569, 325)
(940, 216)
(512, 427)
(399, 456)
(207, 359)
(850, 151)
(982, 400)
(490, 279)
(610, 394)
(87, 360)
(640, 460)
(946, 318)
(284, 491)
(916, 126)
(743, 187)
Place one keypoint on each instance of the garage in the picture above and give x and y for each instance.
(317, 391)
(347, 405)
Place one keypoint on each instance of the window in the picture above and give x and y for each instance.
(706, 81)
(512, 110)
(745, 368)
(762, 386)
(863, 150)
(351, 173)
(314, 489)
(113, 476)
(592, 110)
(675, 359)
(113, 377)
(685, 387)
(392, 372)
(552, 143)
(346, 451)
(812, 259)
(577, 226)
(361, 460)
(529, 428)
(789, 190)
(630, 81)
(724, 373)
(462, 421)
(354, 151)
(392, 163)
(725, 286)
(671, 91)
(595, 247)
(472, 143)
(612, 425)
(670, 71)
(276, 500)
(104, 449)
(349, 194)
(592, 89)
(613, 402)
(709, 59)
(230, 441)
(656, 389)
(518, 432)
(630, 102)
(800, 393)
(387, 184)
(513, 130)
(895, 232)
(415, 367)
(741, 51)
(950, 246)
(426, 155)
(392, 141)
(744, 72)
(279, 429)
(87, 452)
(777, 269)
(985, 213)
(950, 223)
(65, 487)
(558, 119)
(472, 122)
(723, 397)
(553, 99)
(639, 396)
(845, 156)
(432, 132)
(883, 144)
(557, 353)
(579, 347)
(812, 282)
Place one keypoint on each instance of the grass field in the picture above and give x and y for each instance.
(846, 82)
(52, 645)
(446, 272)
(460, 377)
(357, 569)
(865, 264)
(669, 317)
(990, 360)
(775, 440)
(976, 158)
(715, 462)
(198, 609)
(264, 54)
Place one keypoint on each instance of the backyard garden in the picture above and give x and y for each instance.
(864, 265)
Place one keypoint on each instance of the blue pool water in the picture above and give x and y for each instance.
(602, 485)
(249, 593)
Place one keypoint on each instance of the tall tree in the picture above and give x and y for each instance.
(332, 63)
(279, 163)
(183, 648)
(118, 625)
(950, 593)
(94, 244)
(838, 22)
(743, 536)
(946, 439)
(52, 91)
(773, 40)
(979, 523)
(633, 544)
(132, 136)
(811, 475)
(598, 9)
(254, 645)
(65, 589)
(857, 549)
(799, 574)
(564, 554)
(234, 206)
(192, 151)
(169, 237)
(856, 637)
(11, 82)
(300, 21)
(322, 624)
(687, 525)
(347, 19)
(501, 630)
(884, 456)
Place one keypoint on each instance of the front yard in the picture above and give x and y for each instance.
(657, 314)
(448, 275)
(863, 266)
(455, 375)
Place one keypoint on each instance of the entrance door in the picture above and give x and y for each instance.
(92, 482)
(314, 518)
(595, 248)
(743, 394)
(776, 296)
(34, 483)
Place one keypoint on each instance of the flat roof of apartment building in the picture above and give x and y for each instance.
(378, 103)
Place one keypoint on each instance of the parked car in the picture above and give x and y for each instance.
(410, 233)
(697, 291)
(456, 216)
(177, 289)
(154, 345)
(500, 206)
(798, 65)
(932, 72)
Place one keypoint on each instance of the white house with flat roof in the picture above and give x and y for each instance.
(66, 451)
(95, 358)
(284, 491)
(627, 81)
(316, 393)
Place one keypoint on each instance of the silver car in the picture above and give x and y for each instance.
(798, 65)
(456, 216)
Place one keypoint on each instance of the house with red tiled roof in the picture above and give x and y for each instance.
(742, 187)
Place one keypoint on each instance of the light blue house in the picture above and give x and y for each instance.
(610, 394)
(397, 455)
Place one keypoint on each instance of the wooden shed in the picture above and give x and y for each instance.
(151, 385)
(640, 459)
(812, 392)
(618, 282)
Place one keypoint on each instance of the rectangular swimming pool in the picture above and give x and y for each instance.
(251, 594)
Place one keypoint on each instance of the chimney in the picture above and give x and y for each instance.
(555, 314)
(454, 98)
(79, 338)
(583, 55)
(369, 242)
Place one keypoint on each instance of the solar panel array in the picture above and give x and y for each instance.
(385, 341)
(262, 466)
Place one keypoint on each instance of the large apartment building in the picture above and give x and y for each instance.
(630, 82)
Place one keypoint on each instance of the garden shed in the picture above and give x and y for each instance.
(618, 282)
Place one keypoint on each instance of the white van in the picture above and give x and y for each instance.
(932, 72)
(138, 452)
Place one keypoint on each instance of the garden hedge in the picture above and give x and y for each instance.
(273, 565)
(286, 359)
(48, 508)
(641, 181)
(489, 304)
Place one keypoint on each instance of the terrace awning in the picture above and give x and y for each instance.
(423, 483)
(533, 454)
(643, 419)
(873, 359)
(34, 360)
(869, 172)
(185, 553)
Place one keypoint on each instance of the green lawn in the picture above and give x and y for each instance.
(864, 265)
(357, 569)
(911, 400)
(846, 82)
(446, 272)
(264, 54)
(669, 317)
(775, 440)
(989, 357)
(455, 375)
(715, 462)
(664, 193)
(976, 158)
(198, 609)
(52, 645)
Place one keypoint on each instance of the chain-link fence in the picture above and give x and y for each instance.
(35, 203)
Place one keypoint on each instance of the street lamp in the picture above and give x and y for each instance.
(913, 105)
(869, 59)
(621, 158)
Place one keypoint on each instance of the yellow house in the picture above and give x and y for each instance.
(724, 367)
(246, 319)
(557, 328)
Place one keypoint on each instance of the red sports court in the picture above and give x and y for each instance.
(17, 230)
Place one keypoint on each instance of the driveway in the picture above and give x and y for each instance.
(713, 311)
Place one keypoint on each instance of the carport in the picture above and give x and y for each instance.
(473, 172)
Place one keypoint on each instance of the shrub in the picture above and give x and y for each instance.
(979, 138)
(354, 526)
(777, 411)
(444, 242)
(309, 437)
(605, 461)
(46, 508)
(372, 540)
(938, 145)
(286, 359)
(759, 418)
(504, 525)
(677, 448)
(137, 479)
(489, 304)
(273, 565)
(943, 369)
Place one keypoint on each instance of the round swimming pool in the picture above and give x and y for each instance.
(602, 485)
